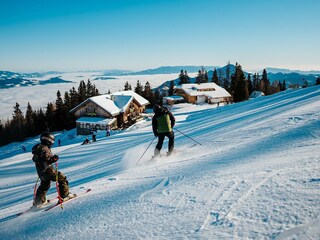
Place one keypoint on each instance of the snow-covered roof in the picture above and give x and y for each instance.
(122, 102)
(174, 98)
(256, 94)
(138, 98)
(106, 103)
(116, 102)
(211, 90)
(96, 120)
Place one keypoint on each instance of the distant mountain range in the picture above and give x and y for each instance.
(12, 79)
(284, 70)
(171, 69)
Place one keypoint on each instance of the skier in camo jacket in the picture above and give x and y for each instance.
(43, 159)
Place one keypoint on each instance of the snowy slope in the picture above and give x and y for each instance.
(255, 176)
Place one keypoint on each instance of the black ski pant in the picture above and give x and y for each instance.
(45, 185)
(161, 137)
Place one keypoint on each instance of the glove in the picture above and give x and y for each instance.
(50, 171)
(55, 158)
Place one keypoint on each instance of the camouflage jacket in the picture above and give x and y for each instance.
(43, 159)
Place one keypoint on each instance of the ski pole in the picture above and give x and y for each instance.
(35, 191)
(145, 150)
(188, 136)
(57, 186)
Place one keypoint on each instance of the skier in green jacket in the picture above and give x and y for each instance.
(162, 124)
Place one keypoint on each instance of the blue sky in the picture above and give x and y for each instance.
(37, 35)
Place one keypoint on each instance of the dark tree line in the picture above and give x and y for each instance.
(237, 84)
(55, 117)
(184, 77)
(241, 87)
(153, 96)
(202, 76)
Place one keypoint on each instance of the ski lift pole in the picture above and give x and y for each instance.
(57, 186)
(188, 136)
(145, 150)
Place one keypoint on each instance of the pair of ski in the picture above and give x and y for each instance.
(175, 151)
(52, 204)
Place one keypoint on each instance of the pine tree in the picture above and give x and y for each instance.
(187, 78)
(49, 116)
(235, 78)
(147, 93)
(67, 106)
(127, 86)
(280, 86)
(261, 86)
(89, 90)
(60, 113)
(250, 86)
(256, 82)
(82, 91)
(5, 135)
(241, 91)
(202, 78)
(284, 85)
(74, 98)
(265, 85)
(139, 88)
(198, 78)
(182, 78)
(205, 76)
(39, 121)
(67, 101)
(17, 122)
(239, 86)
(59, 101)
(215, 78)
(95, 91)
(30, 126)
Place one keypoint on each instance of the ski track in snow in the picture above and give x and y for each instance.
(256, 176)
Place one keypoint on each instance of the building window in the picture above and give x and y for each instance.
(90, 110)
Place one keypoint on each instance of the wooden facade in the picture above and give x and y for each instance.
(202, 96)
(187, 97)
(131, 114)
(91, 115)
(91, 109)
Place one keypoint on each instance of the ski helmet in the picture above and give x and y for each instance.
(157, 109)
(47, 138)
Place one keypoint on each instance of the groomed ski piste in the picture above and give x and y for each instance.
(255, 176)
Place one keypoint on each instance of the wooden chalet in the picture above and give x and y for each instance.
(204, 92)
(113, 111)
